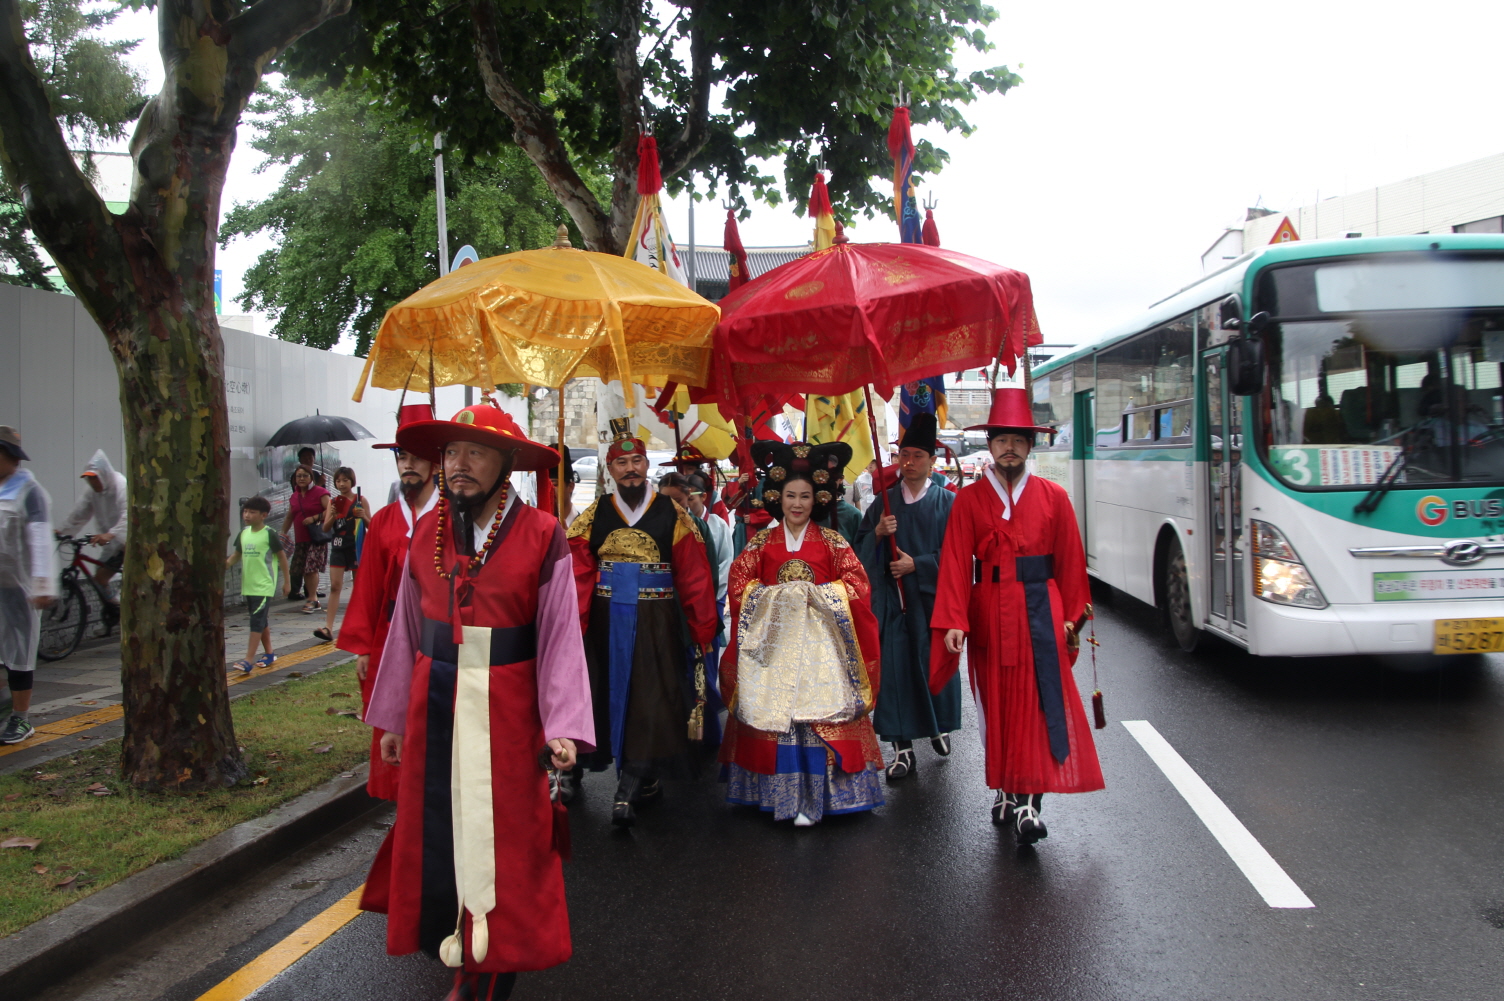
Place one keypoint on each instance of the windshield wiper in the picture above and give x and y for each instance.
(1386, 483)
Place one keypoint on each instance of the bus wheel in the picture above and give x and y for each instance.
(1176, 588)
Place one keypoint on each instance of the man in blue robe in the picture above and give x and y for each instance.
(906, 711)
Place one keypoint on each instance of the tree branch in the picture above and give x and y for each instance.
(677, 154)
(66, 213)
(270, 26)
(536, 132)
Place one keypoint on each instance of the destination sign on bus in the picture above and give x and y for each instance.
(1437, 585)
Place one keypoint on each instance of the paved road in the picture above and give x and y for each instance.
(1377, 789)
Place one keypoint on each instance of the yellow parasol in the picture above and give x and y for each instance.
(542, 317)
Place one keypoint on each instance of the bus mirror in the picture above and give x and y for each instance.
(1245, 366)
(1258, 323)
(1230, 313)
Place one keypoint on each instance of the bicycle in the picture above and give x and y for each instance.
(66, 619)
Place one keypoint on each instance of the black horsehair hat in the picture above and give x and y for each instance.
(823, 464)
(921, 433)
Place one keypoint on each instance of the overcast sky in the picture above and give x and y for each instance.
(1142, 130)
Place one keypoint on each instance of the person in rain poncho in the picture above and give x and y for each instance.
(105, 504)
(27, 572)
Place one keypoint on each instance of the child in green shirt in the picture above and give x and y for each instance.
(258, 580)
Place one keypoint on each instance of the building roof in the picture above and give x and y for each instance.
(714, 264)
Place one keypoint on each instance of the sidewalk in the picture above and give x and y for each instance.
(78, 698)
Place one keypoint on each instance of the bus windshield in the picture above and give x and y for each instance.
(1349, 397)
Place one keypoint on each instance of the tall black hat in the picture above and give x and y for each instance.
(921, 433)
(823, 464)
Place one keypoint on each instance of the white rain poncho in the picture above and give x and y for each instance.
(106, 507)
(27, 566)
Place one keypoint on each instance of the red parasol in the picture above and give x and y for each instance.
(881, 313)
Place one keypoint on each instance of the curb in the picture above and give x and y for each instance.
(60, 945)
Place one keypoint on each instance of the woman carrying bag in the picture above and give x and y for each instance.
(310, 551)
(344, 518)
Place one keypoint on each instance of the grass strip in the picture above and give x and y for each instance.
(94, 830)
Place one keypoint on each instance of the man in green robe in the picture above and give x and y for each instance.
(920, 509)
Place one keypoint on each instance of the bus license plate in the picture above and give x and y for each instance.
(1469, 636)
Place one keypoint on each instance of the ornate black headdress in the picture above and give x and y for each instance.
(822, 465)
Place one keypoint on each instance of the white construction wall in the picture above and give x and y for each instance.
(59, 388)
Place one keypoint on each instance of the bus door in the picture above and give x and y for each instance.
(1085, 420)
(1224, 430)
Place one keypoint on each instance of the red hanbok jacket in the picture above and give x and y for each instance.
(1000, 654)
(368, 617)
(830, 558)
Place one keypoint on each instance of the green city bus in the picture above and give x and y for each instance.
(1302, 453)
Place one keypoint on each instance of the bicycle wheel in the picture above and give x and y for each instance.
(64, 622)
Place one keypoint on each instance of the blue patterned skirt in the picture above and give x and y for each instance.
(807, 781)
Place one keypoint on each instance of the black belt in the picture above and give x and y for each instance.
(1026, 569)
(508, 646)
(1035, 574)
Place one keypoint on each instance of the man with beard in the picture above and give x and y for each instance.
(640, 565)
(374, 596)
(483, 667)
(1013, 589)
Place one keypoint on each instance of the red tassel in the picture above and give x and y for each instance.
(1099, 714)
(561, 829)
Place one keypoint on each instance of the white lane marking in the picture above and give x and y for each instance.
(1276, 887)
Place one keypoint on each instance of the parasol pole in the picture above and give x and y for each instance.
(563, 462)
(903, 602)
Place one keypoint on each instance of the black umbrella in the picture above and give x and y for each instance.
(317, 429)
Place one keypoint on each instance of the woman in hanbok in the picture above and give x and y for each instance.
(801, 671)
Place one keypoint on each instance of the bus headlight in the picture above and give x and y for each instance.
(1278, 574)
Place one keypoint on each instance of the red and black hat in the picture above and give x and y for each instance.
(409, 413)
(484, 424)
(687, 458)
(1010, 412)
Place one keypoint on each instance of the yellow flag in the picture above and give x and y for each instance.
(842, 418)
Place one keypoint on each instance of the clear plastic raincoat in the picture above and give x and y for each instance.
(28, 567)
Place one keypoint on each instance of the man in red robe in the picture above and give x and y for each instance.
(481, 685)
(369, 614)
(1013, 589)
(644, 578)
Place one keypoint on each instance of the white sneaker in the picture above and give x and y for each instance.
(803, 821)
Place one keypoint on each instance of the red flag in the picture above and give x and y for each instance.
(649, 177)
(732, 243)
(931, 231)
(822, 213)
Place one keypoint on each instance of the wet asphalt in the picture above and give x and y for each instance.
(1378, 787)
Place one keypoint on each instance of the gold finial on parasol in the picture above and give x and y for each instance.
(561, 241)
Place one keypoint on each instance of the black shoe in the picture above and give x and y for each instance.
(648, 791)
(941, 744)
(902, 766)
(1027, 826)
(622, 814)
(1002, 809)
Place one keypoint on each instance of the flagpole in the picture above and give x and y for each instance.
(903, 602)
(693, 283)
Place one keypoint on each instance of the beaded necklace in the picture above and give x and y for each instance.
(485, 550)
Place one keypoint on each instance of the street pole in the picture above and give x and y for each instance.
(438, 187)
(693, 283)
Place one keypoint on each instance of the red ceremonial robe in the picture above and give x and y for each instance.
(1000, 654)
(368, 616)
(413, 878)
(830, 558)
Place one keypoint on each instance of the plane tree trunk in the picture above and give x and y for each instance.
(147, 278)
